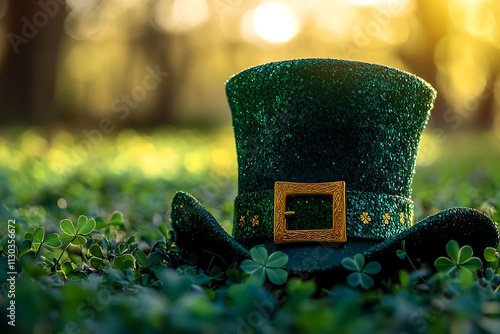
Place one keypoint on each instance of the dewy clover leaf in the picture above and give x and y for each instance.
(460, 260)
(262, 266)
(361, 273)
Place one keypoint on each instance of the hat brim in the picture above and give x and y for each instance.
(199, 232)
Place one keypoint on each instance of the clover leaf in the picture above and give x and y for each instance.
(36, 238)
(491, 280)
(40, 238)
(492, 255)
(123, 262)
(96, 256)
(71, 271)
(262, 266)
(460, 260)
(72, 235)
(152, 262)
(75, 235)
(361, 273)
(117, 219)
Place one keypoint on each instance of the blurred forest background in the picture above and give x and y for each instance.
(132, 63)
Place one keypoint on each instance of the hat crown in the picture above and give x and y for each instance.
(321, 120)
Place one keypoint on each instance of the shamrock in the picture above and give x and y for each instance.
(361, 273)
(262, 266)
(460, 260)
(492, 255)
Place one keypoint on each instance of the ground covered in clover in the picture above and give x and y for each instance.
(94, 253)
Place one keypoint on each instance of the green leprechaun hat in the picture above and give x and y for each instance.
(326, 154)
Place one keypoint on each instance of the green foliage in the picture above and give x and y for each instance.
(106, 282)
(262, 266)
(94, 251)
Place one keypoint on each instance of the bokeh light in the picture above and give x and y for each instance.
(81, 26)
(62, 203)
(275, 22)
(180, 15)
(480, 22)
(105, 47)
(393, 7)
(336, 18)
(453, 67)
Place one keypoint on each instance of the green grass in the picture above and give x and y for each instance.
(127, 276)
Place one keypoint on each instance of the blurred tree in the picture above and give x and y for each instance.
(91, 54)
(484, 117)
(27, 75)
(157, 47)
(436, 22)
(486, 111)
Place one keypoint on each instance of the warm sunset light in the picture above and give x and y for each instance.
(181, 15)
(275, 22)
(380, 3)
(369, 3)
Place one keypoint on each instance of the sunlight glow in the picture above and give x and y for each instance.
(393, 7)
(452, 66)
(275, 22)
(336, 17)
(181, 15)
(378, 3)
(194, 162)
(369, 3)
(428, 150)
(480, 22)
